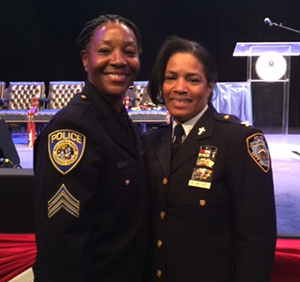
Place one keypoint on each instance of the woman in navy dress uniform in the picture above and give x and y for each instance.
(212, 205)
(90, 190)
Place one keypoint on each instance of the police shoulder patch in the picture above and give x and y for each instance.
(258, 151)
(65, 148)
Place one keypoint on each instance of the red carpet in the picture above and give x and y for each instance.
(17, 253)
(287, 261)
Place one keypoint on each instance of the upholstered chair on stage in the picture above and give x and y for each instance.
(59, 95)
(2, 87)
(20, 95)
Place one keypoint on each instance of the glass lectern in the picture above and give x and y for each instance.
(268, 70)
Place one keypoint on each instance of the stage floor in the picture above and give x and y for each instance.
(286, 173)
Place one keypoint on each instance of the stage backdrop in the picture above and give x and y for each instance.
(37, 37)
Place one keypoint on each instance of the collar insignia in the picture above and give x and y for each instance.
(65, 148)
(201, 130)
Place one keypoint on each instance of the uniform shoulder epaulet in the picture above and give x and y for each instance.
(231, 119)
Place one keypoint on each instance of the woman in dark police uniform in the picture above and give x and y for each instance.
(90, 192)
(212, 200)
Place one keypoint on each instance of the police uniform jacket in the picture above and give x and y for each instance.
(90, 196)
(212, 208)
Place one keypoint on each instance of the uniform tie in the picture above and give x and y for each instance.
(178, 134)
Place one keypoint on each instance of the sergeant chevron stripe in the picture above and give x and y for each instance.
(63, 199)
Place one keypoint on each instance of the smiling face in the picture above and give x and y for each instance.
(185, 89)
(112, 59)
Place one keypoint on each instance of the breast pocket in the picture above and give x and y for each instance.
(122, 199)
(211, 208)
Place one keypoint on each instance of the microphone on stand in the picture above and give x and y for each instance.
(268, 22)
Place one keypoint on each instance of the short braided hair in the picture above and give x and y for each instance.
(86, 33)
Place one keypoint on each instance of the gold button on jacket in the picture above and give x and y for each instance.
(158, 273)
(202, 203)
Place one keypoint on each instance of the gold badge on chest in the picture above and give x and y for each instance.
(203, 170)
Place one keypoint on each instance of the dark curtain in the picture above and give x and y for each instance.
(37, 37)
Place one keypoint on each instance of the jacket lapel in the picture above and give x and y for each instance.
(137, 138)
(116, 132)
(164, 149)
(190, 147)
(108, 119)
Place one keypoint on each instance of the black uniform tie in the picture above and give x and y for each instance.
(178, 134)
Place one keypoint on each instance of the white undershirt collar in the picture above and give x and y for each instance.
(188, 125)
